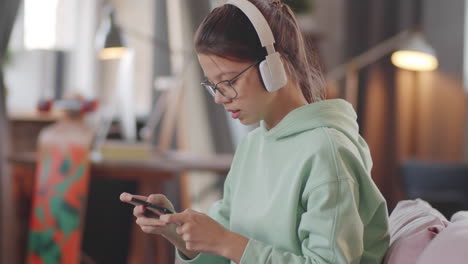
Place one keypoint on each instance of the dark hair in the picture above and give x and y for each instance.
(228, 33)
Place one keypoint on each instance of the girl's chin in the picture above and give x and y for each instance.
(247, 122)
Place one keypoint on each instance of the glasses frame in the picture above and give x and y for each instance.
(212, 88)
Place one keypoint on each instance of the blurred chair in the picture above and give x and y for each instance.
(444, 186)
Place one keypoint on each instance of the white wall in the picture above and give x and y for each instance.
(137, 21)
(29, 70)
(330, 18)
(29, 78)
(444, 26)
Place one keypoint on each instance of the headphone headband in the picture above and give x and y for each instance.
(271, 68)
(258, 21)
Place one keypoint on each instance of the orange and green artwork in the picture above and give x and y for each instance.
(59, 201)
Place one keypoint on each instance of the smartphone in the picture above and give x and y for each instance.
(160, 209)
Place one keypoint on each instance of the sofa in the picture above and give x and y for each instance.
(419, 234)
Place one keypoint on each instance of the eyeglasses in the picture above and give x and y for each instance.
(225, 87)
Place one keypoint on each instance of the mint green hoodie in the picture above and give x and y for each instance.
(302, 192)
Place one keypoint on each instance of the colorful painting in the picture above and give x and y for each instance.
(59, 204)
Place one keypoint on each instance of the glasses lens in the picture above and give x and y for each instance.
(209, 88)
(227, 90)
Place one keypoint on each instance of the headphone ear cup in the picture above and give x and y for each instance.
(273, 73)
(265, 74)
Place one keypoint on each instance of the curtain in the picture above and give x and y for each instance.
(402, 114)
(8, 11)
(370, 22)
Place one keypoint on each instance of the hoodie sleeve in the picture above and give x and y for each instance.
(220, 211)
(330, 229)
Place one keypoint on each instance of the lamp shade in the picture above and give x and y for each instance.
(416, 55)
(114, 43)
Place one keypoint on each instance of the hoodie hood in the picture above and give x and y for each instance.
(336, 113)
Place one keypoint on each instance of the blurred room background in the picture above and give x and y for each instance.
(150, 103)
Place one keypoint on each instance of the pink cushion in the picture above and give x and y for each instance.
(459, 216)
(450, 246)
(413, 224)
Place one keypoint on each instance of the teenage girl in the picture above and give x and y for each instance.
(299, 189)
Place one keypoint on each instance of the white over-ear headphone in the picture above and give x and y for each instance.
(272, 68)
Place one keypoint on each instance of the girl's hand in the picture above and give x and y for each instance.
(150, 223)
(147, 218)
(203, 234)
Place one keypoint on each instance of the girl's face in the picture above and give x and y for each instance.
(252, 102)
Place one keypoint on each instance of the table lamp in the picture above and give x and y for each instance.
(115, 44)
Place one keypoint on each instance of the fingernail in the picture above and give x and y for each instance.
(125, 196)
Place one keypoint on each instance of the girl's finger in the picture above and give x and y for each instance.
(139, 211)
(179, 230)
(127, 198)
(150, 222)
